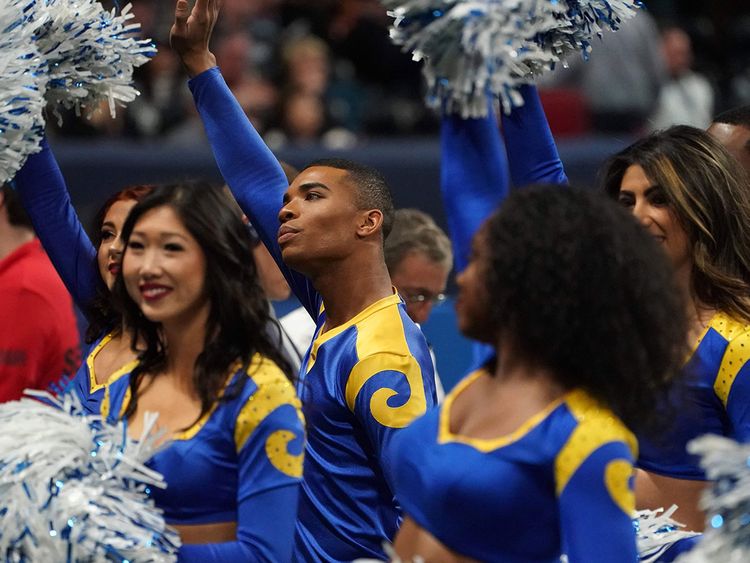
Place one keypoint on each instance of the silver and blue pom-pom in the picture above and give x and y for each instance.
(726, 502)
(75, 489)
(21, 89)
(472, 49)
(656, 533)
(90, 53)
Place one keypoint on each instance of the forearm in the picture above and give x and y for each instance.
(473, 177)
(41, 187)
(532, 153)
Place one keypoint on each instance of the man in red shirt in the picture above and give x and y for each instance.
(39, 341)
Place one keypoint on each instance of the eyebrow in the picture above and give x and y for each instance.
(647, 191)
(304, 188)
(162, 235)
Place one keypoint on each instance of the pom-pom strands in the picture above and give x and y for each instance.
(475, 48)
(727, 502)
(21, 90)
(657, 532)
(90, 53)
(74, 489)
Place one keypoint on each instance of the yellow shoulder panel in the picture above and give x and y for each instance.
(274, 390)
(382, 346)
(596, 427)
(735, 356)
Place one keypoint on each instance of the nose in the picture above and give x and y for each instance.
(641, 213)
(149, 265)
(288, 211)
(115, 249)
(419, 312)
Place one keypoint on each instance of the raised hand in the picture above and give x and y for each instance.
(191, 33)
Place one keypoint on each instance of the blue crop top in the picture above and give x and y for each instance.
(716, 401)
(242, 462)
(561, 483)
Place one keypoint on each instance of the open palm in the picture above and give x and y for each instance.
(191, 33)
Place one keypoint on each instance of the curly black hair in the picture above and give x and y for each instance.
(582, 290)
(239, 317)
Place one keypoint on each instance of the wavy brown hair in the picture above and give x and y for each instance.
(709, 193)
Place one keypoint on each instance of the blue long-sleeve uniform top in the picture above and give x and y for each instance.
(360, 383)
(560, 483)
(44, 195)
(241, 462)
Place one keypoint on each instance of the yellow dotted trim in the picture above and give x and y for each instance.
(274, 390)
(93, 385)
(735, 357)
(596, 427)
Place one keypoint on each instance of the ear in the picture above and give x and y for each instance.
(369, 223)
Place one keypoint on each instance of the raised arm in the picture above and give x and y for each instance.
(248, 166)
(532, 154)
(473, 177)
(41, 187)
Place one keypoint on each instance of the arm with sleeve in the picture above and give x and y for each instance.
(42, 190)
(596, 503)
(252, 172)
(532, 154)
(269, 479)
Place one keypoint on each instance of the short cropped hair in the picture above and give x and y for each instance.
(372, 189)
(416, 232)
(735, 116)
(16, 213)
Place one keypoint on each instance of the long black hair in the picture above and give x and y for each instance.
(239, 317)
(580, 288)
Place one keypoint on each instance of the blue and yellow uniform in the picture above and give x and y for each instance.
(716, 399)
(241, 462)
(42, 190)
(360, 383)
(561, 483)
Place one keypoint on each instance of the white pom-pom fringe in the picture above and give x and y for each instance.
(90, 53)
(75, 489)
(726, 502)
(472, 49)
(21, 90)
(656, 532)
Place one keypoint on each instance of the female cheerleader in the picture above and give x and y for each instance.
(210, 370)
(692, 197)
(535, 454)
(87, 269)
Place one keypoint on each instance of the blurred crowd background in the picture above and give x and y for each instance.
(324, 72)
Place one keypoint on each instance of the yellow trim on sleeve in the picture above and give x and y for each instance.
(617, 476)
(382, 346)
(735, 356)
(274, 390)
(596, 427)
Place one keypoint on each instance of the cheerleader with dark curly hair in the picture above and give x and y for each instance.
(536, 454)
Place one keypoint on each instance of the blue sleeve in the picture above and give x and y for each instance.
(270, 470)
(41, 187)
(473, 177)
(249, 168)
(532, 153)
(738, 405)
(596, 507)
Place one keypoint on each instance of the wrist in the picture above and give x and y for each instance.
(198, 63)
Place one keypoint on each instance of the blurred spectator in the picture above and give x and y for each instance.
(688, 97)
(39, 341)
(623, 77)
(732, 129)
